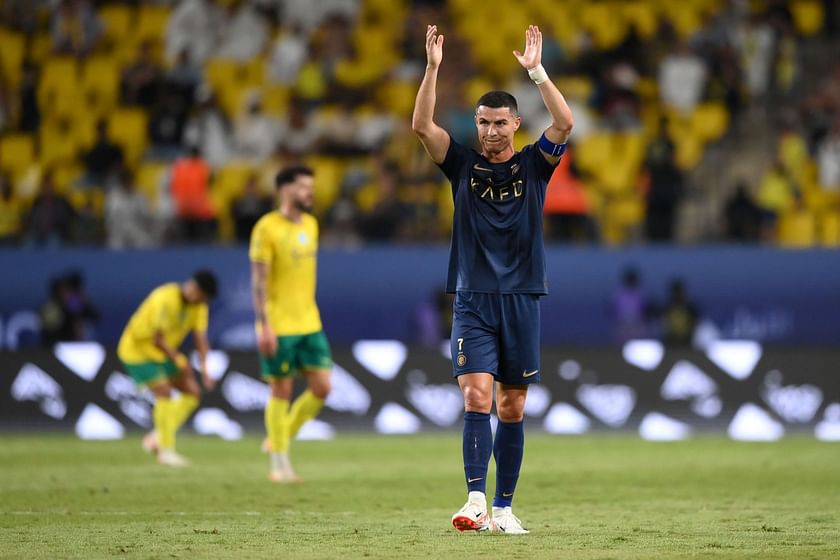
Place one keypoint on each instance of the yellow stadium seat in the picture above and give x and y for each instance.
(710, 121)
(57, 143)
(230, 80)
(808, 16)
(641, 15)
(228, 183)
(128, 128)
(621, 218)
(830, 229)
(40, 48)
(689, 152)
(275, 100)
(118, 21)
(151, 23)
(88, 198)
(330, 174)
(397, 97)
(58, 89)
(17, 152)
(65, 174)
(12, 49)
(101, 84)
(605, 21)
(151, 180)
(797, 229)
(592, 151)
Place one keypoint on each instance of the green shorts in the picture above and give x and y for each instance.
(149, 373)
(297, 353)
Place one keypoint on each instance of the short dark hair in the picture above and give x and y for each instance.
(206, 282)
(288, 174)
(498, 99)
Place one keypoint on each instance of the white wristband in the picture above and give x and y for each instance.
(538, 74)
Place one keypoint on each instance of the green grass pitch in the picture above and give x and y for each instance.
(605, 497)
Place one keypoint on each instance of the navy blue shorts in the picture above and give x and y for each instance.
(497, 334)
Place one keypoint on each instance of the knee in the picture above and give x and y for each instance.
(511, 409)
(477, 400)
(321, 388)
(280, 391)
(510, 414)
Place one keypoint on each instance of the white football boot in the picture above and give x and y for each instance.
(285, 476)
(505, 522)
(169, 458)
(473, 516)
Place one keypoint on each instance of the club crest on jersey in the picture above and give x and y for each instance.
(461, 360)
(302, 238)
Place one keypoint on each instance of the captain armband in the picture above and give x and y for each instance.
(550, 147)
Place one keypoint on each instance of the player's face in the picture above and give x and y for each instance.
(496, 127)
(303, 192)
(192, 293)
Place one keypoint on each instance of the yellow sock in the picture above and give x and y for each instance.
(162, 417)
(277, 424)
(305, 408)
(181, 408)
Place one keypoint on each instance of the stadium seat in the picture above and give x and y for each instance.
(808, 16)
(228, 183)
(17, 152)
(151, 180)
(151, 24)
(642, 16)
(709, 121)
(230, 80)
(12, 49)
(330, 172)
(605, 21)
(592, 151)
(397, 97)
(58, 89)
(128, 128)
(621, 218)
(797, 229)
(829, 228)
(118, 20)
(57, 144)
(65, 174)
(101, 84)
(39, 48)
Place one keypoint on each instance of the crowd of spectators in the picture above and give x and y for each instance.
(227, 91)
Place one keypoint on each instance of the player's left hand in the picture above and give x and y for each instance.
(533, 49)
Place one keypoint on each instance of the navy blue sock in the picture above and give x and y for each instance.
(507, 449)
(478, 444)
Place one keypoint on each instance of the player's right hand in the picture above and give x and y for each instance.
(266, 341)
(434, 46)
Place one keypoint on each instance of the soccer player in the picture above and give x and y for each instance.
(290, 338)
(148, 349)
(496, 269)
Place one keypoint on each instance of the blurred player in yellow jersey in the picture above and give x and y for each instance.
(148, 349)
(283, 253)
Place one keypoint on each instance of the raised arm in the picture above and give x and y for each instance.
(434, 138)
(561, 115)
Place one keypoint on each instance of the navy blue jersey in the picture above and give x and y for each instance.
(497, 233)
